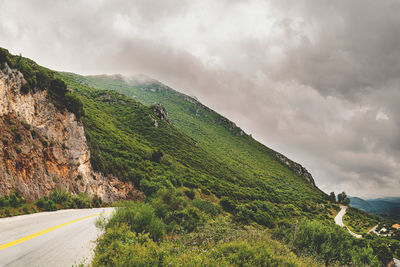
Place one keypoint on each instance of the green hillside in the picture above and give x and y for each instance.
(214, 195)
(209, 155)
(248, 158)
(122, 136)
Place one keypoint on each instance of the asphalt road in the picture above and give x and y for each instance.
(60, 238)
(339, 221)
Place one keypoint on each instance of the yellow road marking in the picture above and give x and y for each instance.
(26, 238)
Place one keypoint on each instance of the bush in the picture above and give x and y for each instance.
(140, 217)
(73, 104)
(96, 202)
(17, 149)
(152, 186)
(58, 88)
(206, 206)
(156, 155)
(16, 200)
(46, 204)
(329, 243)
(190, 194)
(25, 209)
(7, 212)
(167, 201)
(121, 247)
(188, 219)
(228, 205)
(257, 211)
(81, 201)
(60, 196)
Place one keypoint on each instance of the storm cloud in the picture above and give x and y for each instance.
(318, 81)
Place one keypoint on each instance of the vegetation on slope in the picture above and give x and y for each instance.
(170, 229)
(255, 190)
(212, 192)
(15, 204)
(359, 221)
(39, 78)
(122, 137)
(211, 131)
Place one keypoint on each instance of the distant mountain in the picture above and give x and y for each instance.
(388, 207)
(359, 203)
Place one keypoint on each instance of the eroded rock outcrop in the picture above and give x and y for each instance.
(42, 148)
(297, 168)
(160, 112)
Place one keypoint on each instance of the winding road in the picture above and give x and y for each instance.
(339, 221)
(60, 238)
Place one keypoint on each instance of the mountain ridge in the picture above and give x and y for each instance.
(195, 174)
(152, 85)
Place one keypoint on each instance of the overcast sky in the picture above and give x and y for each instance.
(316, 80)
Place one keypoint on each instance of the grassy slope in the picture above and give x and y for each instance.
(359, 221)
(257, 173)
(120, 130)
(123, 139)
(252, 162)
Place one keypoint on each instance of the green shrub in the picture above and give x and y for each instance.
(189, 193)
(188, 219)
(166, 201)
(7, 212)
(58, 88)
(228, 205)
(81, 201)
(257, 211)
(46, 204)
(153, 185)
(73, 104)
(16, 200)
(156, 155)
(4, 201)
(206, 206)
(140, 217)
(60, 196)
(96, 202)
(25, 209)
(330, 243)
(18, 137)
(121, 247)
(4, 141)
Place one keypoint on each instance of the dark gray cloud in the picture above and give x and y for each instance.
(318, 81)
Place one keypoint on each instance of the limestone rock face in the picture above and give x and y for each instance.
(42, 148)
(297, 168)
(160, 112)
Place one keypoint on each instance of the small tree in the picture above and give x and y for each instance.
(332, 197)
(58, 87)
(156, 155)
(346, 201)
(341, 198)
(228, 205)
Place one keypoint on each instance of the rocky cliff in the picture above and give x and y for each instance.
(42, 148)
(297, 168)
